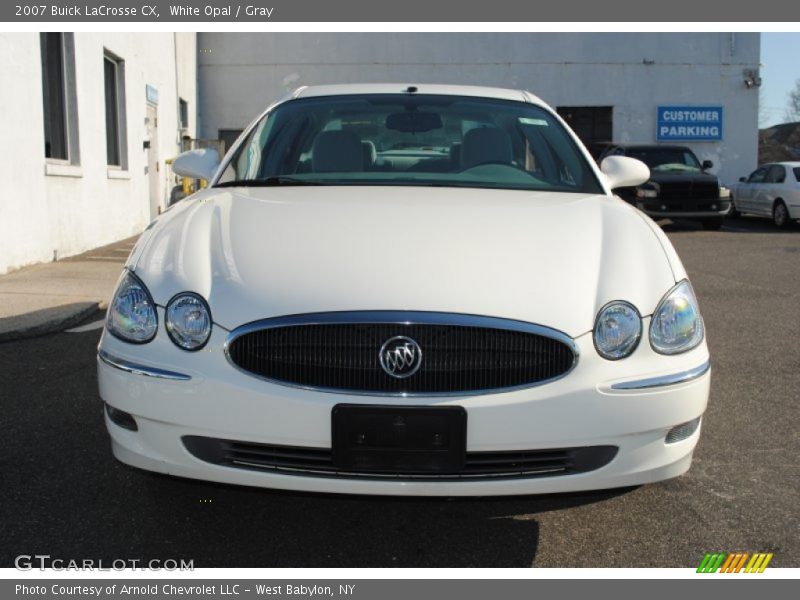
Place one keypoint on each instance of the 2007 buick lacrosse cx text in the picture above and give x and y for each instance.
(411, 290)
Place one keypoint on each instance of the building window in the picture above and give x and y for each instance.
(114, 78)
(183, 107)
(592, 124)
(59, 97)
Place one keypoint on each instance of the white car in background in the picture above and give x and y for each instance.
(772, 190)
(408, 290)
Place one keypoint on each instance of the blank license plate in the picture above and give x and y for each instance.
(399, 439)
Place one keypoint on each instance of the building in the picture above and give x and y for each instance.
(608, 86)
(88, 120)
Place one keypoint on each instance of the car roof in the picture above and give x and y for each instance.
(783, 163)
(421, 88)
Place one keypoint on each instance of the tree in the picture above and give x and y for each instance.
(793, 104)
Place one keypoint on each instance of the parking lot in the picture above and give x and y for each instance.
(64, 495)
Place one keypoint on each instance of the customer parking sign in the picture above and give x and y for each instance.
(689, 124)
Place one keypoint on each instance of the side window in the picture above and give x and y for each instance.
(116, 133)
(757, 176)
(247, 160)
(689, 159)
(238, 164)
(776, 174)
(59, 97)
(183, 112)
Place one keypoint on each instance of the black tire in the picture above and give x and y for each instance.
(733, 213)
(712, 224)
(780, 215)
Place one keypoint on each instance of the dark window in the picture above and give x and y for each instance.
(54, 93)
(665, 158)
(758, 175)
(229, 136)
(797, 173)
(111, 74)
(592, 124)
(184, 113)
(776, 174)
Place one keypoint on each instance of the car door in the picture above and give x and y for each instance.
(792, 189)
(747, 191)
(771, 189)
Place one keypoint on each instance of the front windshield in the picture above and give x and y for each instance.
(666, 159)
(413, 140)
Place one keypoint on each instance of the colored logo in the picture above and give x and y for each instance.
(744, 562)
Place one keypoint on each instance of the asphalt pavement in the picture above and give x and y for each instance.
(64, 495)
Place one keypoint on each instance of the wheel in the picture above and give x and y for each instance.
(780, 215)
(733, 213)
(712, 224)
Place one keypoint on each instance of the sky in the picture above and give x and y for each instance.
(780, 60)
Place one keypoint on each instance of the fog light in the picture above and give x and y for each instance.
(682, 431)
(121, 418)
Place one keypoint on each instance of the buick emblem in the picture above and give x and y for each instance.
(400, 357)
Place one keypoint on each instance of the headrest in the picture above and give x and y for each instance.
(485, 145)
(337, 151)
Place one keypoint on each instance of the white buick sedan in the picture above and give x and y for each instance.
(414, 290)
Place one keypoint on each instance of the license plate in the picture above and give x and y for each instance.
(399, 439)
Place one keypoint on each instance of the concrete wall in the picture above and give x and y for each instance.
(239, 74)
(84, 207)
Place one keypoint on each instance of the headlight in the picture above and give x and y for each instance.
(188, 321)
(647, 190)
(617, 330)
(132, 313)
(724, 192)
(677, 325)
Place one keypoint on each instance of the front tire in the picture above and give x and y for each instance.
(712, 224)
(780, 215)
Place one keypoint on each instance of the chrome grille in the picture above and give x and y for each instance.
(461, 354)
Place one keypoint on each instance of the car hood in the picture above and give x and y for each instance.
(547, 258)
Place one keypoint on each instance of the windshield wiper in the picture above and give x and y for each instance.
(268, 182)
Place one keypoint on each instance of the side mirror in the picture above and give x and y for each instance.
(707, 164)
(623, 171)
(743, 179)
(197, 164)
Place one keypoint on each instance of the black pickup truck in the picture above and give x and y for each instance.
(680, 186)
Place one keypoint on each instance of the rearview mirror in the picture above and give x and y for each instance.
(743, 179)
(707, 164)
(197, 164)
(623, 171)
(414, 122)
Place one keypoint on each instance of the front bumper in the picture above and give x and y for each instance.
(685, 209)
(630, 404)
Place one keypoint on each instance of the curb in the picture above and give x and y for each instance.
(53, 325)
